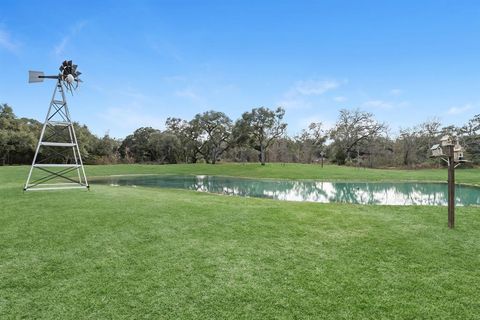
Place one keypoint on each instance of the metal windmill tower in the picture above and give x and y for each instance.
(57, 163)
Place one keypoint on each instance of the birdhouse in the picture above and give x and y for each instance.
(446, 141)
(436, 151)
(458, 153)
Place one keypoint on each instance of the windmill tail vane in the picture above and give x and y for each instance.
(57, 163)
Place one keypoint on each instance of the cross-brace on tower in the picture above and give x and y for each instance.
(57, 163)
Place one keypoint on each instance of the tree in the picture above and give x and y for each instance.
(187, 136)
(137, 146)
(164, 147)
(283, 150)
(214, 134)
(7, 127)
(353, 129)
(430, 131)
(471, 138)
(6, 115)
(17, 137)
(106, 150)
(260, 128)
(413, 144)
(408, 142)
(310, 142)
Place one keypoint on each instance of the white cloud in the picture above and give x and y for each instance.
(188, 93)
(128, 110)
(313, 87)
(134, 95)
(459, 110)
(60, 47)
(382, 104)
(165, 49)
(327, 124)
(300, 94)
(294, 104)
(396, 92)
(130, 118)
(340, 99)
(7, 42)
(378, 104)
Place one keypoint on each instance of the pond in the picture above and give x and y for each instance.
(382, 193)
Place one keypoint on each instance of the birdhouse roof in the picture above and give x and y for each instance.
(458, 148)
(446, 138)
(435, 146)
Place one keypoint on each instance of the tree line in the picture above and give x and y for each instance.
(259, 135)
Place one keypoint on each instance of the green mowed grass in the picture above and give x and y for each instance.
(175, 254)
(274, 171)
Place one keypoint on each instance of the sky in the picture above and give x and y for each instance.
(144, 61)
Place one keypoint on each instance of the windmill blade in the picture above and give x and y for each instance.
(69, 87)
(68, 73)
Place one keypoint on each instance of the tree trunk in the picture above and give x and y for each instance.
(262, 154)
(214, 156)
(405, 158)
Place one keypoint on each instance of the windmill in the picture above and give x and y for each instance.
(57, 163)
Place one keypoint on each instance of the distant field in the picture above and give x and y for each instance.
(274, 171)
(133, 253)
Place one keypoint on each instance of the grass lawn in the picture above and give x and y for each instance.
(133, 253)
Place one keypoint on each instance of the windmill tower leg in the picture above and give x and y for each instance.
(57, 164)
(82, 177)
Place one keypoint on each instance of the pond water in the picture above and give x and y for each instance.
(402, 193)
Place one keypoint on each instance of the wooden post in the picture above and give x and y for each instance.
(451, 188)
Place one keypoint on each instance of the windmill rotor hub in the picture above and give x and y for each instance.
(69, 78)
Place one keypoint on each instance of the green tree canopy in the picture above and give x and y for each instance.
(260, 127)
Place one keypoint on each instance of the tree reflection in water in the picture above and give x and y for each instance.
(405, 193)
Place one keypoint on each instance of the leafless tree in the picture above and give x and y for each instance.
(353, 128)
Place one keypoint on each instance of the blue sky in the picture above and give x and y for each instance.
(143, 61)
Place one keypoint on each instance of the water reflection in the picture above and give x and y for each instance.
(405, 193)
